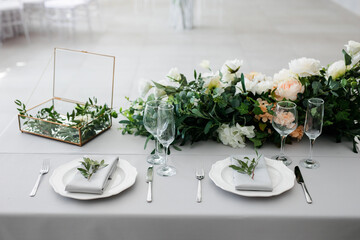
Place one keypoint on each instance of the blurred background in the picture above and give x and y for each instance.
(148, 37)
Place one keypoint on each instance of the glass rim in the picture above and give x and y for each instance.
(287, 102)
(166, 106)
(317, 101)
(151, 103)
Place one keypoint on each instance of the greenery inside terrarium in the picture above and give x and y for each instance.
(50, 121)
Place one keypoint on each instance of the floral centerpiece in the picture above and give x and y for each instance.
(231, 107)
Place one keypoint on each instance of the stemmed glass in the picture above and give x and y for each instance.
(285, 121)
(150, 122)
(313, 127)
(166, 135)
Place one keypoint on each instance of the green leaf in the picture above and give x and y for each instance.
(347, 58)
(242, 79)
(207, 127)
(316, 87)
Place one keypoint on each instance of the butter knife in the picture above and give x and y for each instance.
(300, 180)
(149, 179)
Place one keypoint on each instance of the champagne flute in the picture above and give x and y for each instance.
(150, 123)
(285, 121)
(313, 127)
(166, 135)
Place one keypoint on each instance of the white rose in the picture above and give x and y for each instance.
(144, 86)
(231, 66)
(357, 140)
(235, 136)
(83, 118)
(249, 85)
(262, 83)
(305, 67)
(174, 74)
(284, 74)
(352, 48)
(355, 59)
(337, 69)
(205, 64)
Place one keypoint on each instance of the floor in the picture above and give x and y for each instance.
(266, 34)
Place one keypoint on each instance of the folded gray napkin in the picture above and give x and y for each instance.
(261, 181)
(97, 182)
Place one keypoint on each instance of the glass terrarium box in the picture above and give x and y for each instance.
(80, 105)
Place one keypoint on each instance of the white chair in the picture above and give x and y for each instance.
(12, 19)
(34, 12)
(67, 12)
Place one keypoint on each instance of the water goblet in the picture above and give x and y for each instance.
(312, 128)
(166, 135)
(285, 121)
(150, 123)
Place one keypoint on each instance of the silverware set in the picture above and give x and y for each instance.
(44, 170)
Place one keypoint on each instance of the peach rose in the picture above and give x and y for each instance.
(298, 133)
(289, 89)
(285, 119)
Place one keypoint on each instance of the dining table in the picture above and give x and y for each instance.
(174, 213)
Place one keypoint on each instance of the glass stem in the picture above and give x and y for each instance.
(166, 153)
(310, 160)
(157, 145)
(282, 153)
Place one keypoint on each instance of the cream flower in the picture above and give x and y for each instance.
(231, 66)
(248, 86)
(174, 74)
(205, 64)
(210, 83)
(305, 67)
(352, 48)
(83, 118)
(144, 86)
(235, 136)
(337, 69)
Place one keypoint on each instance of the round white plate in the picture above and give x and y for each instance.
(122, 178)
(282, 178)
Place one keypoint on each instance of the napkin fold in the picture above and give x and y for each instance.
(261, 181)
(97, 182)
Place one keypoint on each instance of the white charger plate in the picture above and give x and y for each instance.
(122, 178)
(282, 178)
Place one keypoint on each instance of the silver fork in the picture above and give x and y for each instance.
(199, 176)
(44, 170)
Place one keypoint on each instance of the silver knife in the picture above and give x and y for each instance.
(149, 179)
(300, 180)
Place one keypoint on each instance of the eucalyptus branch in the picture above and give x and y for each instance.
(90, 167)
(247, 166)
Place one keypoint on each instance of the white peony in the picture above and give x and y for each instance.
(235, 136)
(337, 69)
(352, 48)
(144, 86)
(205, 64)
(231, 66)
(174, 74)
(305, 67)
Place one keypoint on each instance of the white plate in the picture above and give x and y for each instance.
(282, 178)
(123, 177)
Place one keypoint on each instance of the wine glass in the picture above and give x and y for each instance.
(166, 135)
(150, 123)
(284, 122)
(313, 127)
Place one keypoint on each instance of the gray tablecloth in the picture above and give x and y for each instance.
(174, 213)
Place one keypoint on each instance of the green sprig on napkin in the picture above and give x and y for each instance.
(90, 167)
(248, 166)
